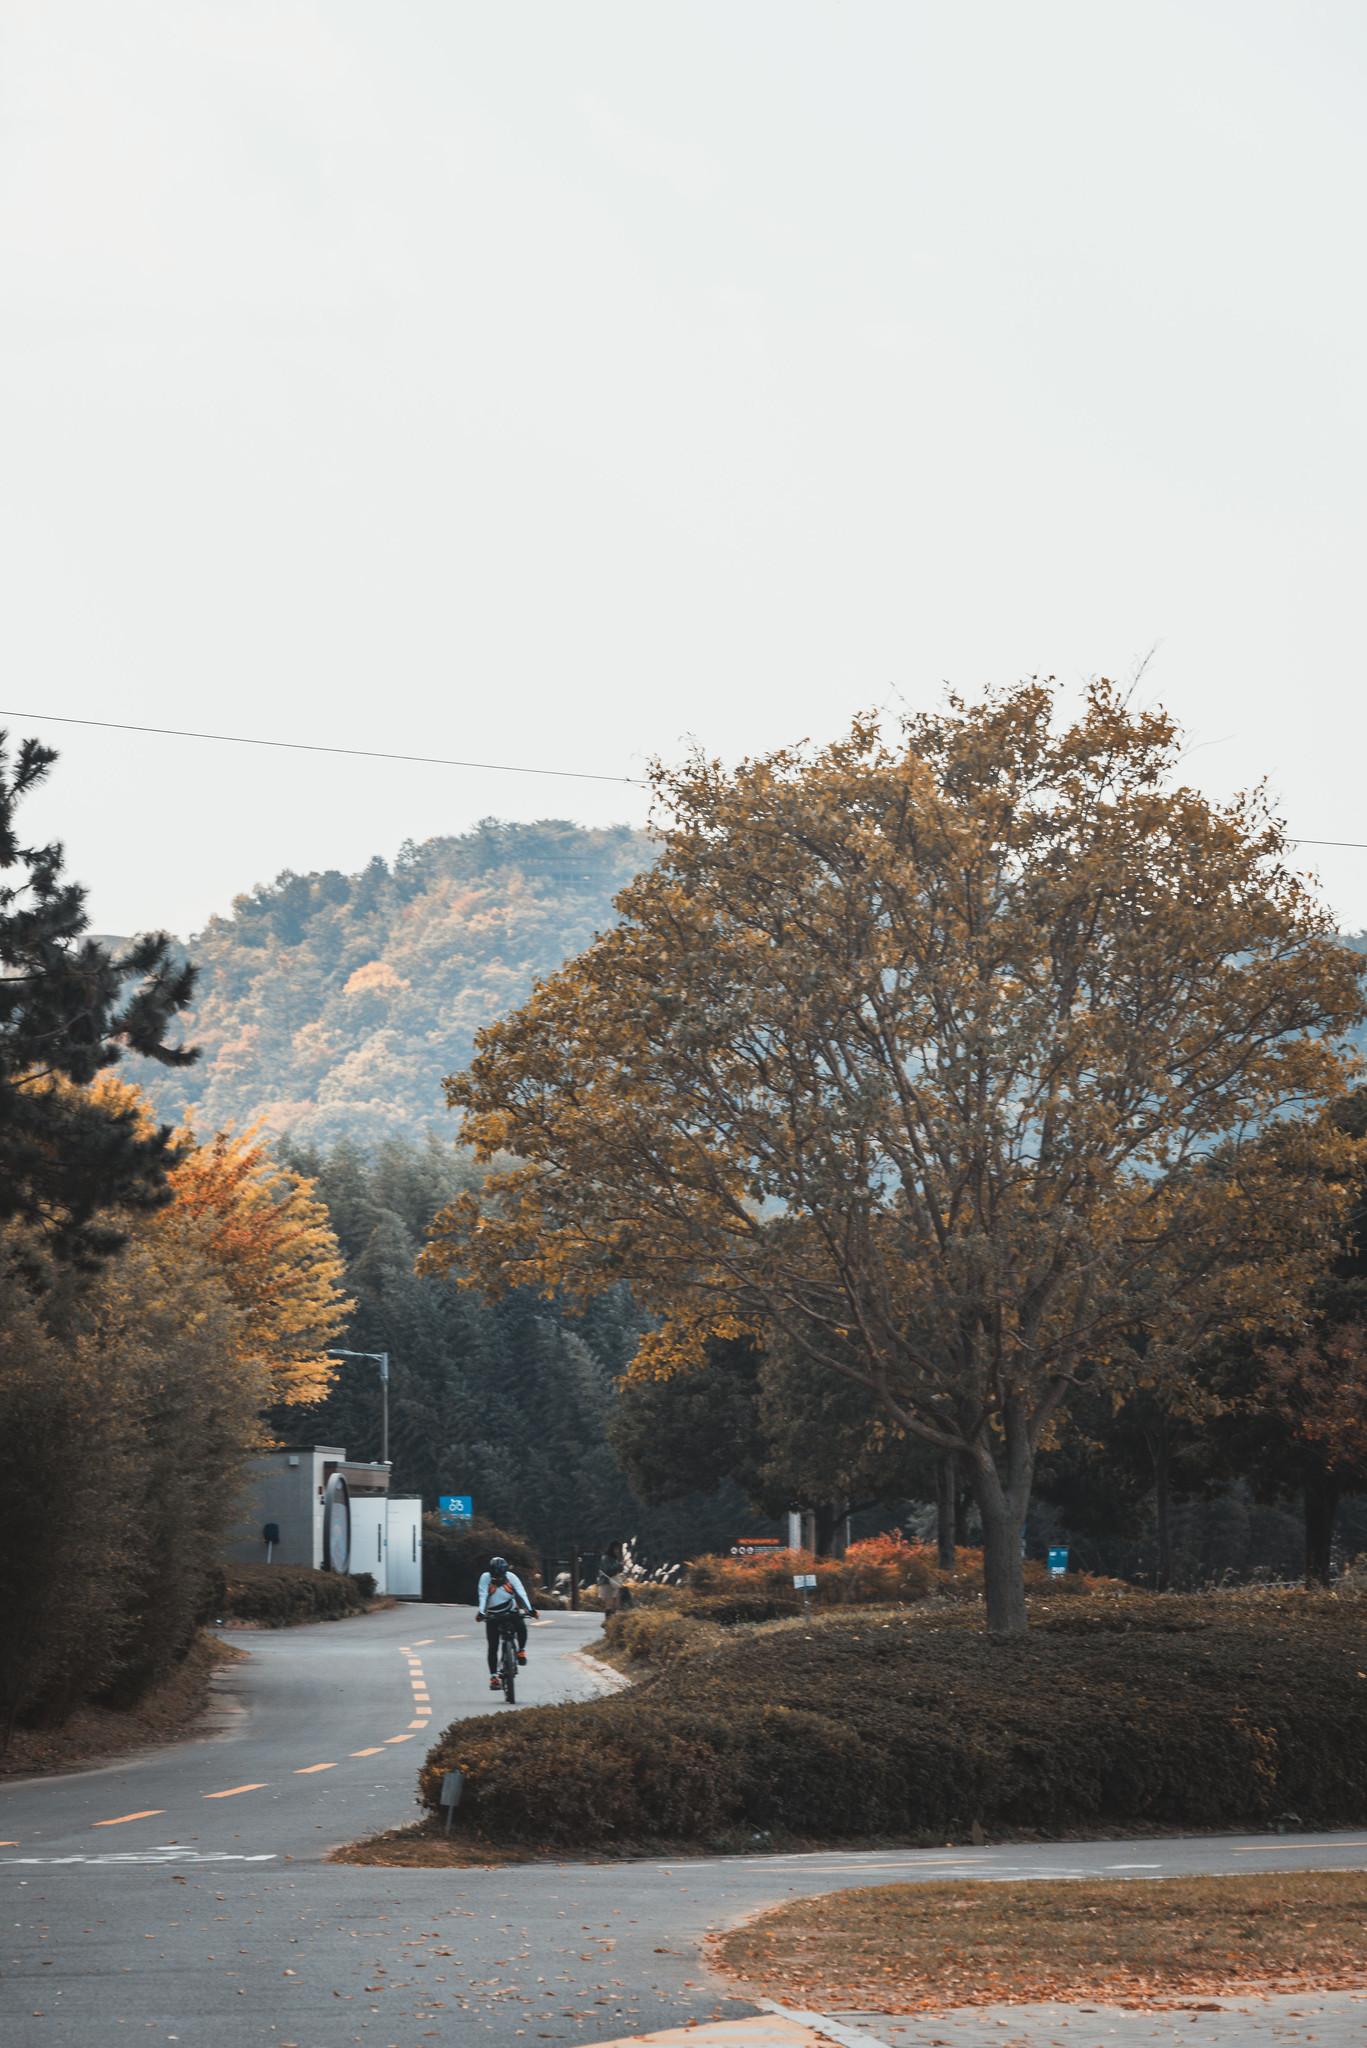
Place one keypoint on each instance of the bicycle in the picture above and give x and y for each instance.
(507, 1654)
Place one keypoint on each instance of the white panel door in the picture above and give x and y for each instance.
(405, 1549)
(369, 1538)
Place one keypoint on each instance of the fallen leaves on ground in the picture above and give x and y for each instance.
(1136, 1942)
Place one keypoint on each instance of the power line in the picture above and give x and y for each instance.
(235, 739)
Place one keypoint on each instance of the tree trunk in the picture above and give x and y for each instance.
(1162, 1509)
(946, 1505)
(1002, 1508)
(1321, 1513)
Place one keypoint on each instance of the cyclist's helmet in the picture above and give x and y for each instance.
(498, 1567)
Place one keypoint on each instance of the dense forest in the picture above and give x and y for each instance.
(331, 1005)
(511, 1403)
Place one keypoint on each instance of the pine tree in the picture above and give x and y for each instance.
(69, 1009)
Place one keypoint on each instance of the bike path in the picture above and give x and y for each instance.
(216, 1922)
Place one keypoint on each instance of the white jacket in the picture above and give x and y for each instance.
(501, 1596)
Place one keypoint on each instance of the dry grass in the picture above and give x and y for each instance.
(918, 1947)
(93, 1734)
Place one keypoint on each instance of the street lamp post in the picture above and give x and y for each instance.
(380, 1358)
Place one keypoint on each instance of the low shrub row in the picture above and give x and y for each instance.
(884, 1569)
(656, 1634)
(1113, 1713)
(282, 1595)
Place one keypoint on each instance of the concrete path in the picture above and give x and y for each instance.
(183, 1896)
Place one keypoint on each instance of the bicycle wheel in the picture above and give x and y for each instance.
(509, 1671)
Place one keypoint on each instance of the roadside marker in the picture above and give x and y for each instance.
(148, 1813)
(307, 1770)
(397, 1738)
(366, 1752)
(233, 1791)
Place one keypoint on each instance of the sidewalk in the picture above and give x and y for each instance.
(1329, 2019)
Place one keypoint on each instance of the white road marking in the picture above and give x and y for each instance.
(169, 1854)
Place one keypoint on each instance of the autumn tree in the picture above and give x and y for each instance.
(266, 1232)
(910, 1049)
(70, 1010)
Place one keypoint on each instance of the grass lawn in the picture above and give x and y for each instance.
(1139, 1942)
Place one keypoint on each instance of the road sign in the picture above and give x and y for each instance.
(1058, 1563)
(754, 1546)
(455, 1507)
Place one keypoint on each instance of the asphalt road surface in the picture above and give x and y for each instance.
(183, 1896)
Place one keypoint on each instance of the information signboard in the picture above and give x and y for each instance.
(455, 1507)
(1058, 1563)
(754, 1546)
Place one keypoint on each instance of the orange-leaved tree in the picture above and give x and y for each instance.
(266, 1232)
(912, 1049)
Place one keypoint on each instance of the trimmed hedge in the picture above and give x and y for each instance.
(283, 1595)
(1146, 1711)
(656, 1635)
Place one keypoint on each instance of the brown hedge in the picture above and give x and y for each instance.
(1214, 1712)
(282, 1595)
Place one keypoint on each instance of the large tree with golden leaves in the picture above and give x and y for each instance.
(913, 1050)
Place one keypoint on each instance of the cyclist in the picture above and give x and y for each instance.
(499, 1590)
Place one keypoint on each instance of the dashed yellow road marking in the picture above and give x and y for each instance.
(307, 1770)
(461, 1637)
(424, 1642)
(148, 1813)
(368, 1752)
(233, 1791)
(397, 1738)
(9, 1845)
(419, 1724)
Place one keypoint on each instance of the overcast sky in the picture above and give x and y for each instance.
(551, 383)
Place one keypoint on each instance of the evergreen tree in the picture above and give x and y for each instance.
(70, 1009)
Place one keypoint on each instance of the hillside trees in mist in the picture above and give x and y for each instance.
(330, 1005)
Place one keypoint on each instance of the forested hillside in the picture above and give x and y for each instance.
(332, 1005)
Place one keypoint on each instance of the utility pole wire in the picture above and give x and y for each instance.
(234, 739)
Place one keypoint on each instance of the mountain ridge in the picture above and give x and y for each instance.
(332, 1006)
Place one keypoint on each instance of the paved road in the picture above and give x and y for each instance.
(210, 1919)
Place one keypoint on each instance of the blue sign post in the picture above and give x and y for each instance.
(455, 1507)
(1058, 1563)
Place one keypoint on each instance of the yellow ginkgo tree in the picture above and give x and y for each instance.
(916, 1048)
